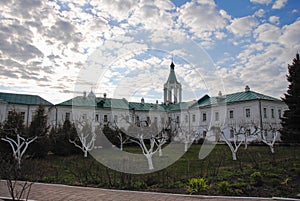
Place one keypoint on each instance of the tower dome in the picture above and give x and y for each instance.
(172, 88)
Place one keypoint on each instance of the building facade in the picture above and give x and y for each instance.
(195, 117)
(24, 103)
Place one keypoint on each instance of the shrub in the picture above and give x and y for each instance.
(195, 185)
(223, 187)
(139, 185)
(256, 178)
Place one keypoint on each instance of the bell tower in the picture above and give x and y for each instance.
(172, 88)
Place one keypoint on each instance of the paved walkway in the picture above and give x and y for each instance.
(53, 192)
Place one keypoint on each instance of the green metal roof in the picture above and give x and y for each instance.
(105, 103)
(232, 98)
(147, 107)
(205, 101)
(180, 106)
(23, 99)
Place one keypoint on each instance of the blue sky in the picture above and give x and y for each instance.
(58, 48)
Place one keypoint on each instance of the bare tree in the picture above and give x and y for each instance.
(18, 190)
(269, 130)
(236, 139)
(122, 137)
(86, 135)
(18, 145)
(246, 130)
(143, 131)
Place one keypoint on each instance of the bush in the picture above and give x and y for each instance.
(137, 185)
(195, 185)
(59, 138)
(223, 187)
(256, 179)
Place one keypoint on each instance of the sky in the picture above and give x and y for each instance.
(59, 48)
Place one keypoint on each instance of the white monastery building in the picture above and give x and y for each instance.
(198, 117)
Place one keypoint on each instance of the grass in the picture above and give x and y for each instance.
(257, 172)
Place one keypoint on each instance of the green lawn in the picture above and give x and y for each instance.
(257, 172)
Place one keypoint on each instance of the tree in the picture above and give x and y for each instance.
(290, 121)
(268, 136)
(59, 139)
(116, 135)
(13, 129)
(14, 122)
(39, 127)
(144, 132)
(86, 135)
(236, 142)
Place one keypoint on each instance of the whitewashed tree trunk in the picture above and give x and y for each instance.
(150, 162)
(234, 156)
(272, 149)
(186, 146)
(160, 153)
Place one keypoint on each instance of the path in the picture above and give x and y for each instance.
(53, 192)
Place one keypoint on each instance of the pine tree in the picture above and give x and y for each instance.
(39, 127)
(13, 124)
(291, 118)
(59, 138)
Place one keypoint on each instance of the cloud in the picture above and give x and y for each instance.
(279, 4)
(264, 62)
(290, 37)
(202, 18)
(261, 1)
(267, 33)
(274, 20)
(260, 13)
(243, 26)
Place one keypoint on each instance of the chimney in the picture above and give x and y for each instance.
(297, 57)
(84, 94)
(104, 95)
(247, 88)
(142, 100)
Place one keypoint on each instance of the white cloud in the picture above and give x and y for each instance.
(260, 13)
(279, 4)
(242, 26)
(261, 1)
(290, 37)
(267, 33)
(274, 20)
(202, 18)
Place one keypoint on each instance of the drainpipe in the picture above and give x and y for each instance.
(27, 121)
(55, 116)
(189, 115)
(260, 117)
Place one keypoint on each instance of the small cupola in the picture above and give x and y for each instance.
(220, 97)
(142, 100)
(91, 94)
(220, 94)
(247, 88)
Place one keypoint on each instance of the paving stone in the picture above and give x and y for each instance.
(51, 192)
